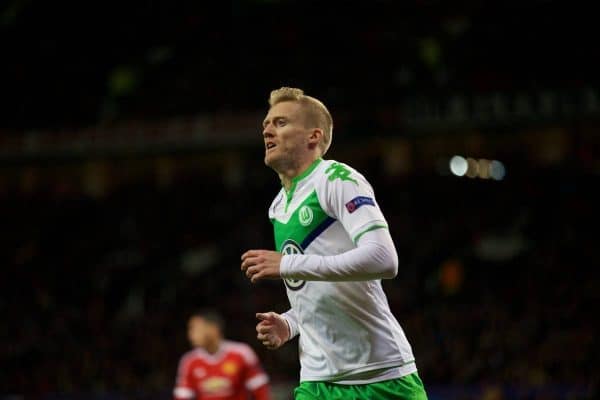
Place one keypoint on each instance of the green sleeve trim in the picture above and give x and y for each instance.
(371, 228)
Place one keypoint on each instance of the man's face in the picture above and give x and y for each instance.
(285, 135)
(199, 331)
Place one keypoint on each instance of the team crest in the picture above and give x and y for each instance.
(305, 215)
(229, 368)
(291, 247)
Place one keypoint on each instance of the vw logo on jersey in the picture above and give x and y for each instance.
(305, 215)
(291, 247)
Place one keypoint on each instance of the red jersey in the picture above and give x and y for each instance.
(232, 373)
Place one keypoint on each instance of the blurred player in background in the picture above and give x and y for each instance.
(333, 248)
(216, 368)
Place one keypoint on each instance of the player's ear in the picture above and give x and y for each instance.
(316, 135)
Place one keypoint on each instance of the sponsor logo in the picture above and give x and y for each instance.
(291, 247)
(358, 202)
(216, 385)
(305, 215)
(339, 171)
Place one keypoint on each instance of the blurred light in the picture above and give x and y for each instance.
(484, 168)
(451, 276)
(122, 80)
(159, 55)
(472, 167)
(497, 170)
(477, 168)
(458, 165)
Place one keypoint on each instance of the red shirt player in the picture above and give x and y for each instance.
(218, 369)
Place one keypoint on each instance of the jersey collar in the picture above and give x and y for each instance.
(306, 172)
(297, 179)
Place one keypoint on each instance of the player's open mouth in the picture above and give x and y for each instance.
(269, 146)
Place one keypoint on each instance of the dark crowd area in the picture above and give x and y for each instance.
(496, 289)
(69, 65)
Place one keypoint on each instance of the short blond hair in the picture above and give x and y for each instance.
(317, 113)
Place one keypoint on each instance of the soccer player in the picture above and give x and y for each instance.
(333, 248)
(218, 369)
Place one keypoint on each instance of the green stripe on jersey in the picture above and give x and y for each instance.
(305, 219)
(369, 229)
(290, 193)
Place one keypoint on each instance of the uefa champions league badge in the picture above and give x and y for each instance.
(358, 202)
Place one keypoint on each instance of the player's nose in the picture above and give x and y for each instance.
(268, 132)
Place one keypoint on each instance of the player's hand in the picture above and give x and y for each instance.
(261, 264)
(273, 330)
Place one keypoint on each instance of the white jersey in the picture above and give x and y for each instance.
(347, 332)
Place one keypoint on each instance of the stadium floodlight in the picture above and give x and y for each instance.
(497, 170)
(458, 165)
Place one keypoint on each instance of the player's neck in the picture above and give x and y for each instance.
(213, 347)
(288, 175)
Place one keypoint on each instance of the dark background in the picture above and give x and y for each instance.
(131, 180)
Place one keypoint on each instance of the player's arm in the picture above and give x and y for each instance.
(183, 386)
(374, 257)
(351, 201)
(256, 380)
(262, 392)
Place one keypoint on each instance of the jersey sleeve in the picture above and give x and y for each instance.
(255, 379)
(292, 320)
(184, 388)
(347, 196)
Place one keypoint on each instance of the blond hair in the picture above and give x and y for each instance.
(317, 113)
